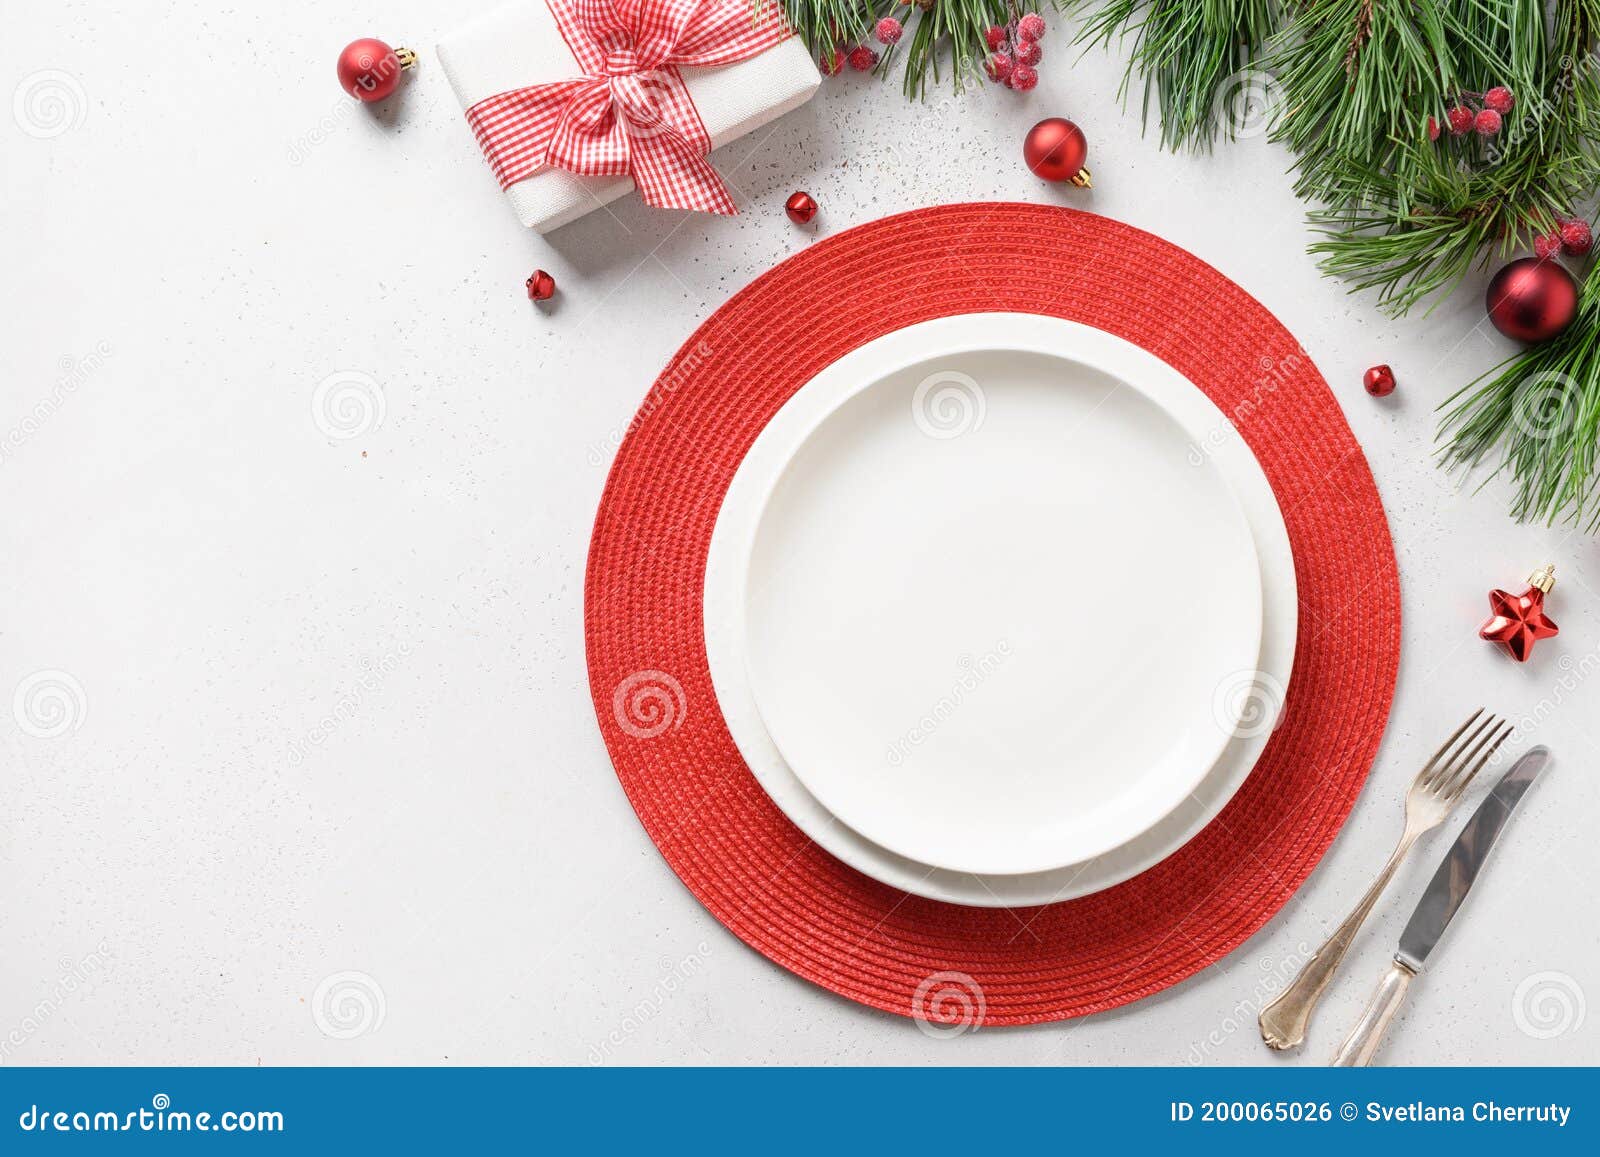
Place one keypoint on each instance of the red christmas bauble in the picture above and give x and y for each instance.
(1379, 381)
(1055, 149)
(370, 70)
(1532, 300)
(1517, 622)
(801, 207)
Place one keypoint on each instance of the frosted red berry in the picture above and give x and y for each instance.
(1028, 53)
(1500, 99)
(1023, 78)
(1576, 238)
(1460, 119)
(1546, 245)
(1487, 122)
(1379, 381)
(888, 31)
(1433, 129)
(862, 58)
(998, 67)
(832, 64)
(1030, 27)
(995, 36)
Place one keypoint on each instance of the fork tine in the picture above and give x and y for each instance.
(1458, 785)
(1428, 768)
(1476, 742)
(1462, 751)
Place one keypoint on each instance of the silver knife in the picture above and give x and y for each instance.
(1440, 902)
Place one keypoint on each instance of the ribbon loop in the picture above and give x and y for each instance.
(630, 112)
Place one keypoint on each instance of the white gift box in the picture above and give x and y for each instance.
(519, 45)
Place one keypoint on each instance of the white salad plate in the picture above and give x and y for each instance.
(999, 609)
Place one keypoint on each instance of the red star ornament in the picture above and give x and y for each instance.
(1519, 621)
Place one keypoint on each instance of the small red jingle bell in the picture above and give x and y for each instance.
(541, 286)
(801, 207)
(370, 70)
(1519, 621)
(1379, 381)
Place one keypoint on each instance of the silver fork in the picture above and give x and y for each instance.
(1437, 788)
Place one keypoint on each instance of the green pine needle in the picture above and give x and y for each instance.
(1195, 57)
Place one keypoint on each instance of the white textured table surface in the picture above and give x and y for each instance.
(327, 709)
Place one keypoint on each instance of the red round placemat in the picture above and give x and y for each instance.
(741, 856)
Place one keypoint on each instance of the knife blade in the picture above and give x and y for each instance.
(1448, 889)
(1440, 902)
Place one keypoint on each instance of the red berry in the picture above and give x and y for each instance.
(888, 31)
(1023, 78)
(1030, 27)
(998, 67)
(862, 58)
(1487, 122)
(541, 286)
(1546, 245)
(1575, 237)
(832, 65)
(1028, 53)
(994, 36)
(1460, 120)
(1379, 381)
(1433, 129)
(1500, 99)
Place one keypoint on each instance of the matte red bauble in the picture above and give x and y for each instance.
(370, 70)
(1055, 149)
(1532, 300)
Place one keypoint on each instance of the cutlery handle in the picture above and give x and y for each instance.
(1283, 1022)
(1363, 1039)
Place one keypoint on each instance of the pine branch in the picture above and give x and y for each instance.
(1541, 410)
(950, 29)
(1195, 57)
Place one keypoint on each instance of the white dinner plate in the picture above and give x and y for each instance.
(1239, 703)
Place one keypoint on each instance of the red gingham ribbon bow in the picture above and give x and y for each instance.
(629, 113)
